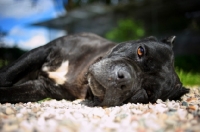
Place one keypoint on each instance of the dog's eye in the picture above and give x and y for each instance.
(140, 51)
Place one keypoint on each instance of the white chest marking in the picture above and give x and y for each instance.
(59, 74)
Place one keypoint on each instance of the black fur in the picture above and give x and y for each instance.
(88, 66)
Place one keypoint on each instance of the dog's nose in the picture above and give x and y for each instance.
(123, 79)
(123, 75)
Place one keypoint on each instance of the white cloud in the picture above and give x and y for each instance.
(23, 8)
(29, 38)
(17, 30)
(34, 42)
(60, 33)
(39, 40)
(9, 42)
(57, 33)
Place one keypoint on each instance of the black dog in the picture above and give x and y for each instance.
(88, 66)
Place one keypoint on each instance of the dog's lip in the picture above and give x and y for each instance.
(92, 87)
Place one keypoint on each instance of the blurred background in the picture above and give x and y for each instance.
(27, 24)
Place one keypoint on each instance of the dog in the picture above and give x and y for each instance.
(86, 66)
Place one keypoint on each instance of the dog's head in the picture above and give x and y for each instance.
(136, 71)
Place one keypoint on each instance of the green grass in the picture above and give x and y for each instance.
(43, 100)
(3, 63)
(189, 78)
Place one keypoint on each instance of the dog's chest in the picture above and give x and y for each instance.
(59, 74)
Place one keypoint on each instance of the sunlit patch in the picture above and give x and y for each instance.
(59, 74)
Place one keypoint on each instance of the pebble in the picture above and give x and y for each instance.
(81, 115)
(184, 104)
(193, 107)
(10, 128)
(9, 111)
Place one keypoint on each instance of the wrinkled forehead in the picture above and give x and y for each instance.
(152, 47)
(157, 48)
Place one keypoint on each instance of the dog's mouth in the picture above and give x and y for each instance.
(111, 81)
(97, 89)
(106, 96)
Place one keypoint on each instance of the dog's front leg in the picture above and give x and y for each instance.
(30, 61)
(29, 91)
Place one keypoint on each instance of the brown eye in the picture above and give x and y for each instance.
(140, 51)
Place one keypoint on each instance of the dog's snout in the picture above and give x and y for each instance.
(122, 74)
(123, 78)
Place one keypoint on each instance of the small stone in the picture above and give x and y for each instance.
(61, 111)
(150, 123)
(192, 99)
(107, 111)
(35, 109)
(185, 103)
(182, 114)
(98, 112)
(10, 111)
(135, 111)
(24, 111)
(159, 101)
(26, 126)
(70, 116)
(10, 127)
(77, 101)
(183, 107)
(28, 105)
(172, 110)
(190, 117)
(19, 115)
(49, 116)
(77, 115)
(8, 104)
(160, 108)
(172, 105)
(2, 115)
(119, 117)
(109, 129)
(193, 107)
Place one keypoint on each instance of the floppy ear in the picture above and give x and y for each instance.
(151, 38)
(139, 97)
(178, 92)
(169, 40)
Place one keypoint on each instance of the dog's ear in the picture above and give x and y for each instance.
(178, 92)
(152, 38)
(169, 40)
(139, 97)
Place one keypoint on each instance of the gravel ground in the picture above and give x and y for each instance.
(80, 115)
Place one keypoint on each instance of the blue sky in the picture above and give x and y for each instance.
(17, 15)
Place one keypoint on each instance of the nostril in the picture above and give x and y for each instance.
(120, 75)
(123, 79)
(123, 87)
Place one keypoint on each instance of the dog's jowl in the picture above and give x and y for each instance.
(88, 66)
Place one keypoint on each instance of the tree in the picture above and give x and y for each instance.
(127, 29)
